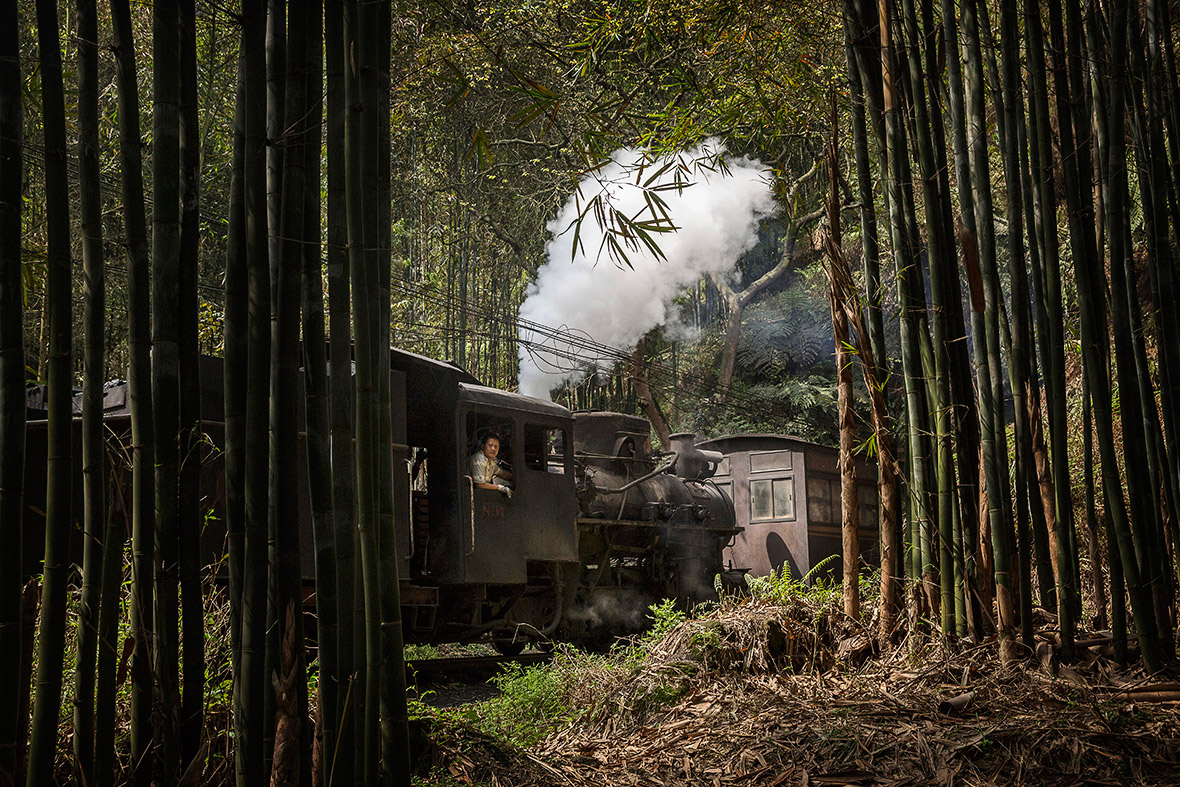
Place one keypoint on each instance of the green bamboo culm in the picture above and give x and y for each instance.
(142, 441)
(12, 390)
(393, 489)
(234, 356)
(59, 467)
(189, 517)
(252, 658)
(988, 365)
(276, 129)
(870, 248)
(93, 472)
(292, 736)
(360, 157)
(338, 757)
(940, 233)
(316, 382)
(1019, 343)
(1136, 545)
(166, 370)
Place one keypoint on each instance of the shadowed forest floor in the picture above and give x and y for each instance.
(760, 693)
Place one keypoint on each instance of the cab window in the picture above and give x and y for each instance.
(544, 448)
(482, 425)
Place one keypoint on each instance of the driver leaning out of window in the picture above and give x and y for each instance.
(486, 472)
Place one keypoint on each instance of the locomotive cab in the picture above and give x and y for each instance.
(501, 534)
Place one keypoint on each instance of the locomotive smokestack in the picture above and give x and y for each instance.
(693, 464)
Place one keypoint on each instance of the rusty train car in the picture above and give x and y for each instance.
(597, 528)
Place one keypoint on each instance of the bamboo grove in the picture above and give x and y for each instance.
(1015, 172)
(274, 298)
(1026, 159)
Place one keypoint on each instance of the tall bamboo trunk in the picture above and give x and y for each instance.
(926, 116)
(849, 510)
(989, 367)
(359, 32)
(276, 135)
(316, 381)
(338, 759)
(1021, 352)
(139, 393)
(1093, 318)
(290, 757)
(12, 390)
(234, 365)
(1158, 190)
(93, 475)
(915, 338)
(59, 468)
(252, 659)
(871, 250)
(189, 517)
(166, 369)
(1143, 511)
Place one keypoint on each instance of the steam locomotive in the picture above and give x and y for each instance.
(597, 528)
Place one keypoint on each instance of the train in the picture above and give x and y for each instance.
(596, 526)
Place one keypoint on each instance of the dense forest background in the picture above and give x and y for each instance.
(968, 277)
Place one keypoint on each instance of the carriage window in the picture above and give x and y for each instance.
(819, 500)
(727, 488)
(772, 498)
(722, 467)
(544, 449)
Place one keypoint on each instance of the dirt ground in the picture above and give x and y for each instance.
(760, 694)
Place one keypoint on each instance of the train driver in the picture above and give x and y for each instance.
(486, 472)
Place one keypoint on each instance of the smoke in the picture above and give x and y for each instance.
(588, 294)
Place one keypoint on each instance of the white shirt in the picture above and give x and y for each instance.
(483, 469)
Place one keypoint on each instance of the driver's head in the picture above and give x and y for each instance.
(491, 446)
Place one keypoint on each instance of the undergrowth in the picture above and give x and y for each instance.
(654, 670)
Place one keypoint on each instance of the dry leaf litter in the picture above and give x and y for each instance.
(757, 693)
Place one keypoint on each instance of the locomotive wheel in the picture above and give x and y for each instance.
(508, 646)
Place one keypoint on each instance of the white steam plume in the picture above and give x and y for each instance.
(616, 305)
